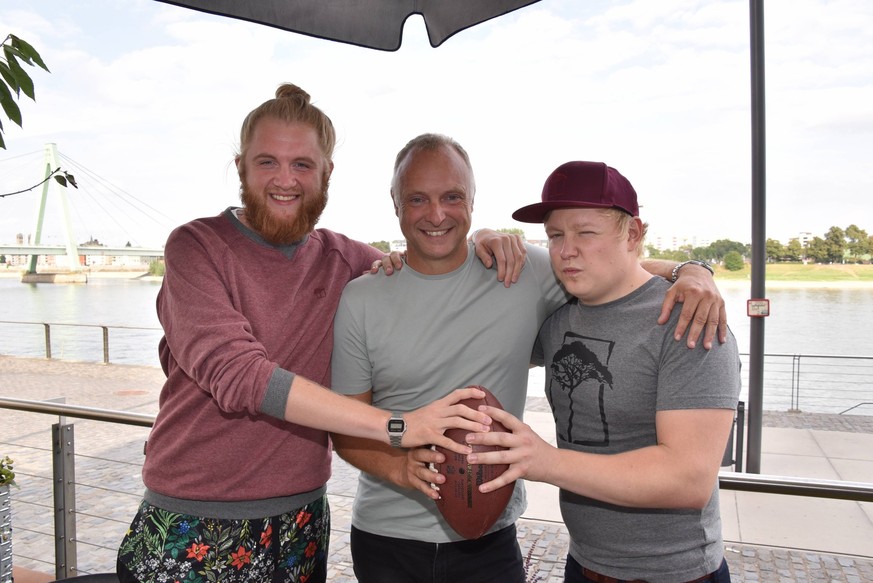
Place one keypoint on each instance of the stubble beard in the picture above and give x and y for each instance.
(277, 230)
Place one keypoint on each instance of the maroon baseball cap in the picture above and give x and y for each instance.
(582, 185)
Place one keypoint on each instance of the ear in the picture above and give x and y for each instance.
(394, 202)
(634, 233)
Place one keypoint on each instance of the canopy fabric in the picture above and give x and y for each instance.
(375, 24)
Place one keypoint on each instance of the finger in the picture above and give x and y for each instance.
(507, 419)
(396, 260)
(505, 478)
(507, 270)
(426, 456)
(722, 324)
(462, 422)
(452, 445)
(429, 475)
(462, 394)
(696, 330)
(686, 319)
(495, 457)
(667, 306)
(484, 255)
(387, 264)
(520, 255)
(500, 259)
(426, 481)
(430, 490)
(711, 327)
(492, 438)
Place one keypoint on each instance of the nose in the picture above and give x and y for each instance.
(436, 214)
(285, 178)
(568, 250)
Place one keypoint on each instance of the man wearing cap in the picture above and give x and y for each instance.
(641, 423)
(437, 324)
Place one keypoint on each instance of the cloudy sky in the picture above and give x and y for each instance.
(145, 100)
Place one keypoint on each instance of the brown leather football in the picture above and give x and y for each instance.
(468, 511)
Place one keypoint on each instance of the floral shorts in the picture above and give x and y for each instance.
(166, 547)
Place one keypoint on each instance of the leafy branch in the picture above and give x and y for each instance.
(15, 78)
(62, 177)
(7, 476)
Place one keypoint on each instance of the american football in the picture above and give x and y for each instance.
(468, 511)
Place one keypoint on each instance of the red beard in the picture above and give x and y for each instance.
(276, 230)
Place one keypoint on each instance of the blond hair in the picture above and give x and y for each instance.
(292, 105)
(623, 220)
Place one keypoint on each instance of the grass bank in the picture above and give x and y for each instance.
(799, 272)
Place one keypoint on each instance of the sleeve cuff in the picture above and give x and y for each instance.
(276, 397)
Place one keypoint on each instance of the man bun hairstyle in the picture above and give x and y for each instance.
(292, 105)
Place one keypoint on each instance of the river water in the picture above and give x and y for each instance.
(820, 321)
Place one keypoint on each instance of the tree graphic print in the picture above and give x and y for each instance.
(574, 364)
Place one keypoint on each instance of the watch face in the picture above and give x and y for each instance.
(396, 425)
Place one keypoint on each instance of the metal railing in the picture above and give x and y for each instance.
(64, 482)
(819, 383)
(47, 327)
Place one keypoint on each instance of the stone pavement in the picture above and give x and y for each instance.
(109, 457)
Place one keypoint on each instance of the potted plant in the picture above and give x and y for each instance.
(7, 479)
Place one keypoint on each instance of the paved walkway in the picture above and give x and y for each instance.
(769, 538)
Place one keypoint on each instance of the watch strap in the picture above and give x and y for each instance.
(675, 274)
(396, 428)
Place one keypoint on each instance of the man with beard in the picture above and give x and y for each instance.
(238, 459)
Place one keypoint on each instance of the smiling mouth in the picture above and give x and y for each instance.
(436, 233)
(284, 197)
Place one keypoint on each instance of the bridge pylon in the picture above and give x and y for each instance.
(52, 164)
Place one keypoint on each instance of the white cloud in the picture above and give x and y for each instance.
(150, 97)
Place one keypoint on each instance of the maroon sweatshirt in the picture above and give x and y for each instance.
(241, 317)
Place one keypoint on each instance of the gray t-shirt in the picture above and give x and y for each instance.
(414, 338)
(609, 369)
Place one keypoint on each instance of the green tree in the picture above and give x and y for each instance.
(382, 246)
(702, 254)
(835, 241)
(674, 255)
(858, 242)
(793, 251)
(817, 250)
(681, 254)
(733, 261)
(15, 79)
(775, 250)
(157, 268)
(720, 248)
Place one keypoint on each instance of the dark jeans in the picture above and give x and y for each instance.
(573, 573)
(494, 558)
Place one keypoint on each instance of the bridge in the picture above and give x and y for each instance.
(80, 250)
(27, 250)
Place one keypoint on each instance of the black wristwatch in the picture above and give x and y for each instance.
(396, 428)
(675, 275)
